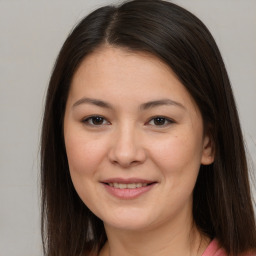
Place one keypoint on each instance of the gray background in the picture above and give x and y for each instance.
(31, 34)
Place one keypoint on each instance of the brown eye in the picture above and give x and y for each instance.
(95, 121)
(160, 121)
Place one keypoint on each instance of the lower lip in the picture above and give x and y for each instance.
(128, 193)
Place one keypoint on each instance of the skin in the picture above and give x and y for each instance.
(128, 143)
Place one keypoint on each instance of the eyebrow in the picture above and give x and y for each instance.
(144, 106)
(156, 103)
(96, 102)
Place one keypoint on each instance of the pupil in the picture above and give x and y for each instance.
(97, 120)
(159, 120)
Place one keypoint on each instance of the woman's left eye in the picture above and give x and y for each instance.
(95, 121)
(160, 121)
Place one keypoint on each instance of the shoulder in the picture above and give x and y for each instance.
(214, 249)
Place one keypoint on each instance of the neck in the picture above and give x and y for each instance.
(167, 239)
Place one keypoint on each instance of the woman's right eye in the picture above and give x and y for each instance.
(95, 121)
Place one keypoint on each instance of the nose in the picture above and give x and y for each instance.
(127, 148)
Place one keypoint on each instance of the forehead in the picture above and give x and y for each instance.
(134, 76)
(116, 62)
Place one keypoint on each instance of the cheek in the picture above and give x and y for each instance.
(84, 155)
(84, 158)
(179, 158)
(179, 150)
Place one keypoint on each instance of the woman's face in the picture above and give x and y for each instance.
(134, 140)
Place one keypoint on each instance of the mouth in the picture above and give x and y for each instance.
(128, 185)
(128, 188)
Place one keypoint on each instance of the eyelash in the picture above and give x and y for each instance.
(167, 121)
(90, 121)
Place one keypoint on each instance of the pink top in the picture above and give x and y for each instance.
(214, 249)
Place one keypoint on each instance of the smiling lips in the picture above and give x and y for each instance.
(128, 185)
(127, 188)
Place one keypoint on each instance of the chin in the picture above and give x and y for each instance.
(130, 225)
(130, 221)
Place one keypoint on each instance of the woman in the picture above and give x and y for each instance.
(142, 151)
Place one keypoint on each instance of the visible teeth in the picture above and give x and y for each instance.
(122, 185)
(130, 185)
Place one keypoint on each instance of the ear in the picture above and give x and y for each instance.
(208, 151)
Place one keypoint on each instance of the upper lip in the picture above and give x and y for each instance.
(127, 181)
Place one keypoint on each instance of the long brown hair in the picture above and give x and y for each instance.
(222, 205)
